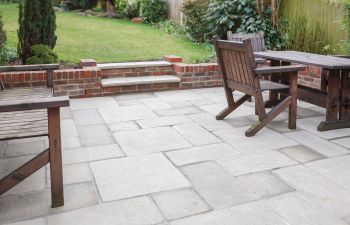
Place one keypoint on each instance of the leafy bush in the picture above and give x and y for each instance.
(153, 11)
(251, 22)
(195, 20)
(222, 16)
(41, 54)
(7, 55)
(134, 9)
(122, 7)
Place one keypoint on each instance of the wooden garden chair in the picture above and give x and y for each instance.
(240, 73)
(258, 42)
(33, 112)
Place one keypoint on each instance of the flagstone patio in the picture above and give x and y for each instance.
(162, 159)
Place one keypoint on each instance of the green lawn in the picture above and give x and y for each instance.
(107, 40)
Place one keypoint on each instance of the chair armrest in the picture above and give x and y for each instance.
(279, 69)
(31, 104)
(260, 60)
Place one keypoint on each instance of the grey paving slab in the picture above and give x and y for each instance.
(310, 125)
(180, 203)
(66, 113)
(164, 121)
(177, 111)
(68, 143)
(155, 103)
(181, 104)
(150, 140)
(87, 117)
(201, 153)
(68, 128)
(38, 221)
(135, 176)
(73, 173)
(209, 122)
(89, 154)
(316, 143)
(347, 219)
(174, 96)
(35, 204)
(92, 103)
(345, 142)
(254, 213)
(136, 211)
(22, 149)
(135, 96)
(221, 190)
(318, 188)
(123, 126)
(92, 135)
(300, 210)
(302, 153)
(280, 126)
(196, 134)
(335, 169)
(266, 139)
(126, 113)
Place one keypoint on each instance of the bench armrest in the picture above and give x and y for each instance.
(31, 104)
(279, 69)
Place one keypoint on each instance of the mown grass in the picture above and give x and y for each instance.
(108, 40)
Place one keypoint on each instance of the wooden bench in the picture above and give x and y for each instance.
(33, 112)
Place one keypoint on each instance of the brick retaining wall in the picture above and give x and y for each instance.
(86, 81)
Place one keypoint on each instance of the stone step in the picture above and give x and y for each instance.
(128, 81)
(106, 66)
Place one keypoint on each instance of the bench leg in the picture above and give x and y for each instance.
(55, 157)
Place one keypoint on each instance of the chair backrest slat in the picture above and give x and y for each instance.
(237, 62)
(258, 41)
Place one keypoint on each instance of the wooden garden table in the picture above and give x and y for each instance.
(334, 95)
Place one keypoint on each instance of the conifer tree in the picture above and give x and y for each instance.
(37, 25)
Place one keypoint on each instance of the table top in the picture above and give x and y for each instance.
(327, 62)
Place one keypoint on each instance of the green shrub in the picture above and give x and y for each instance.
(195, 20)
(222, 16)
(37, 25)
(153, 11)
(134, 9)
(41, 54)
(7, 55)
(172, 27)
(122, 7)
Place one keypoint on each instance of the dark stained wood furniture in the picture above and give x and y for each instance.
(334, 94)
(258, 42)
(33, 112)
(240, 73)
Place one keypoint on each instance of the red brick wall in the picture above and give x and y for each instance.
(86, 82)
(24, 79)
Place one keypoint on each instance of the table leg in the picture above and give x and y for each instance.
(55, 157)
(333, 103)
(345, 95)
